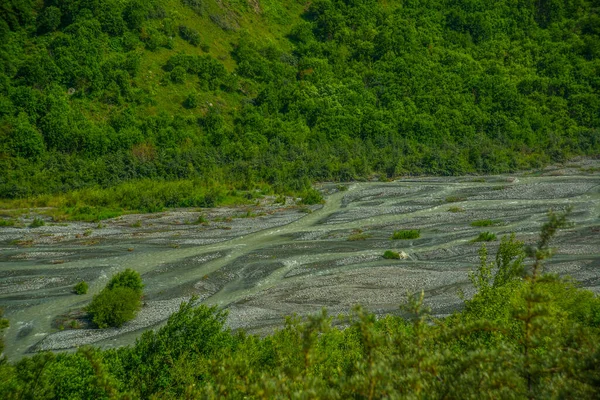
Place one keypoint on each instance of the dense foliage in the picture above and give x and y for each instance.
(119, 301)
(95, 93)
(80, 288)
(524, 334)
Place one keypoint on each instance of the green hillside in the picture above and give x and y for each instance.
(101, 96)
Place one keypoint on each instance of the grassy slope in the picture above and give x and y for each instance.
(269, 25)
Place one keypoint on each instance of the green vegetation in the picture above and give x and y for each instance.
(96, 204)
(279, 94)
(524, 334)
(358, 235)
(406, 234)
(37, 222)
(119, 301)
(454, 199)
(201, 220)
(456, 209)
(486, 222)
(311, 196)
(3, 325)
(81, 288)
(485, 237)
(391, 255)
(7, 222)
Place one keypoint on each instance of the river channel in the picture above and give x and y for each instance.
(266, 261)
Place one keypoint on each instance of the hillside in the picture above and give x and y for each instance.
(207, 98)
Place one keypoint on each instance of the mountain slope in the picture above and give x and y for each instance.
(243, 94)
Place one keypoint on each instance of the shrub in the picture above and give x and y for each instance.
(127, 279)
(196, 5)
(119, 301)
(114, 307)
(7, 222)
(81, 288)
(189, 35)
(191, 101)
(177, 75)
(406, 234)
(311, 196)
(391, 255)
(485, 237)
(454, 199)
(201, 220)
(456, 209)
(486, 222)
(37, 222)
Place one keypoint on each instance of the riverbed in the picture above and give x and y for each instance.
(269, 260)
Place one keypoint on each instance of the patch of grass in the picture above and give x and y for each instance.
(280, 199)
(136, 224)
(406, 234)
(21, 242)
(37, 222)
(342, 188)
(7, 222)
(485, 237)
(454, 199)
(358, 234)
(88, 213)
(486, 222)
(87, 232)
(74, 324)
(391, 255)
(501, 187)
(201, 220)
(456, 209)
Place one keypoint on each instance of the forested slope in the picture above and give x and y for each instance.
(278, 94)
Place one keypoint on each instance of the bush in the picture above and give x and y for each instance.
(189, 35)
(177, 75)
(391, 255)
(486, 222)
(37, 222)
(129, 279)
(191, 101)
(114, 307)
(485, 237)
(406, 234)
(454, 199)
(311, 196)
(81, 288)
(119, 301)
(7, 222)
